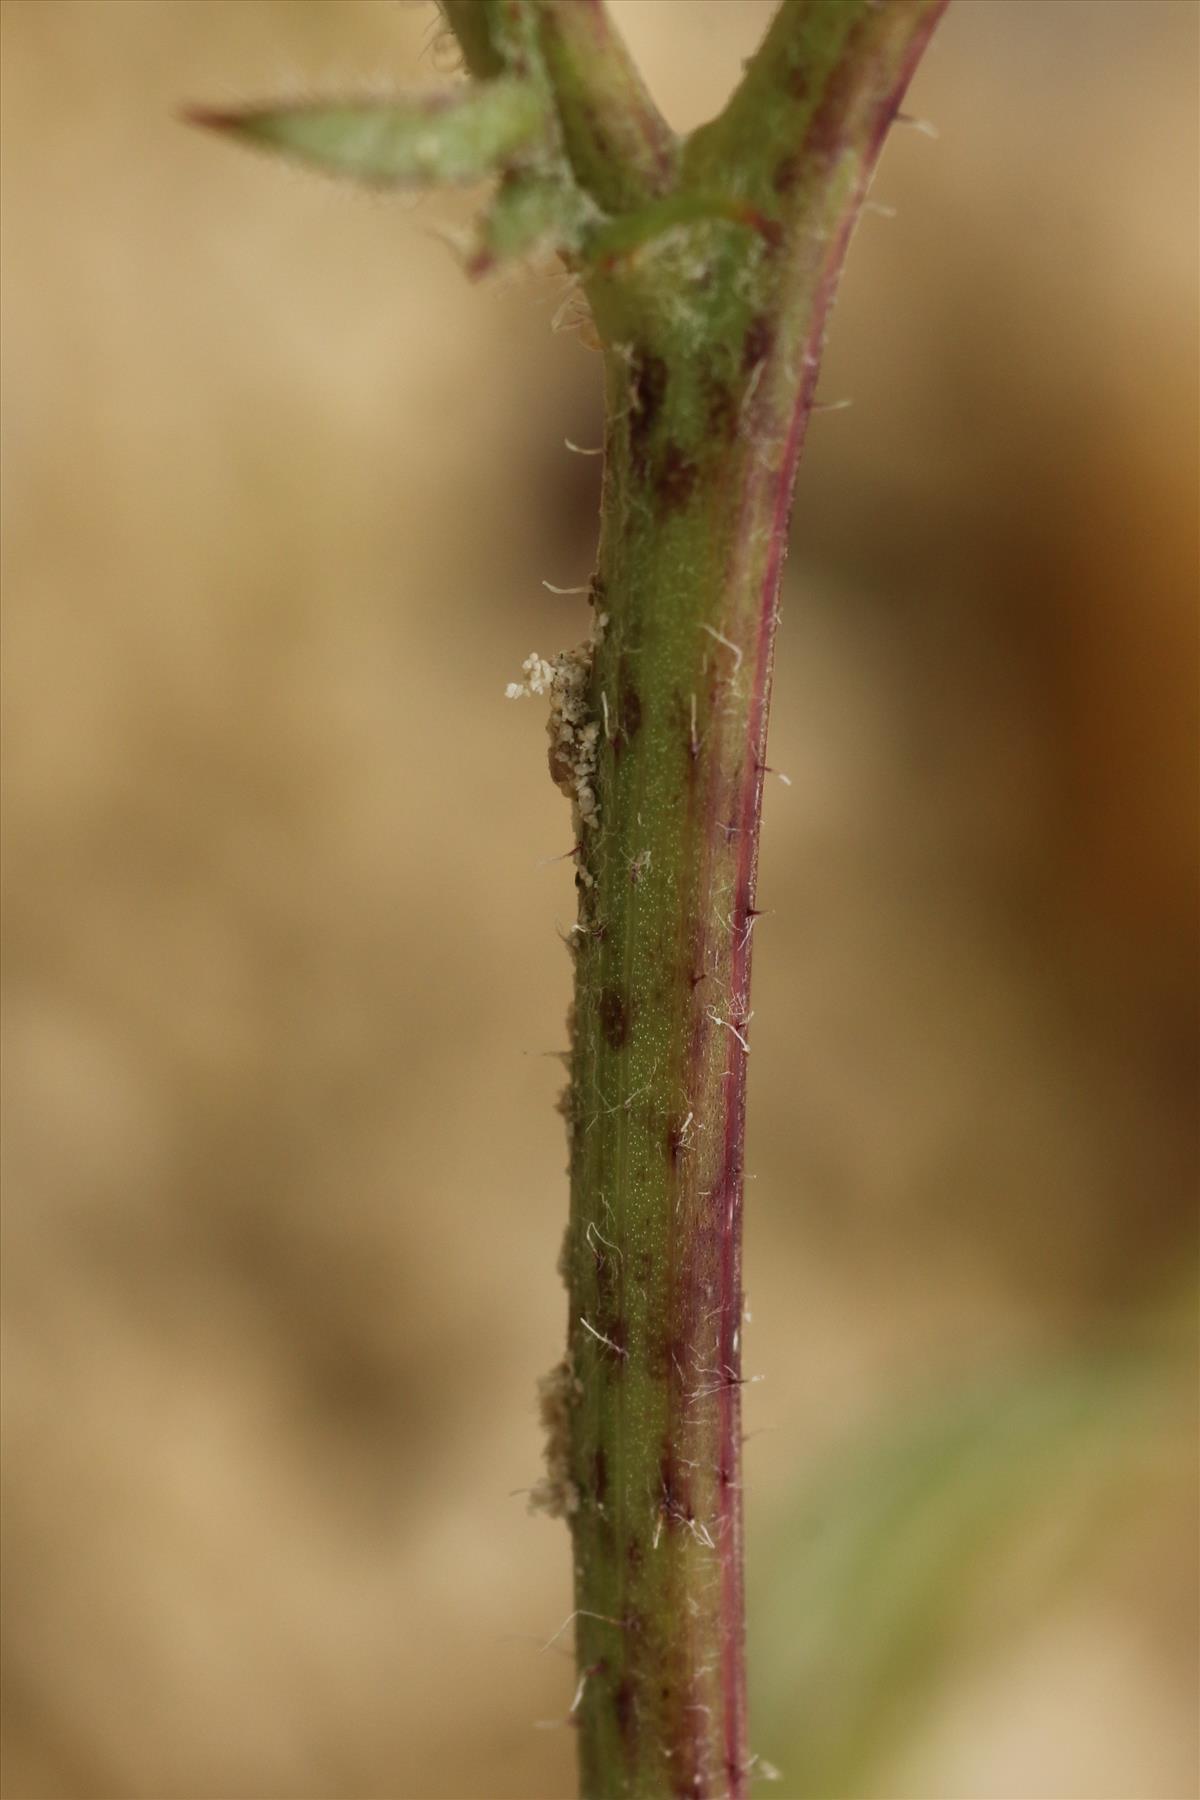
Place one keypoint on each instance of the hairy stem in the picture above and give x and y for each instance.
(620, 147)
(714, 335)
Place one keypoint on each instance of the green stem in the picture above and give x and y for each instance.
(714, 341)
(620, 147)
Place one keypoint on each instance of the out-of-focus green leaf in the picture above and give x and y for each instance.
(530, 213)
(457, 137)
(863, 1597)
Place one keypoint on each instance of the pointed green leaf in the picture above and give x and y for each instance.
(458, 137)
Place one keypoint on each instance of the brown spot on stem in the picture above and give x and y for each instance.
(825, 136)
(649, 379)
(756, 345)
(676, 479)
(624, 1709)
(614, 1019)
(769, 230)
(786, 173)
(600, 143)
(720, 408)
(630, 702)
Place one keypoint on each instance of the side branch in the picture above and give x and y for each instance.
(478, 26)
(815, 87)
(620, 147)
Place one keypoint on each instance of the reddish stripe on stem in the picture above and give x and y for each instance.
(750, 813)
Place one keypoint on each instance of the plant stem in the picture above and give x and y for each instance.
(713, 350)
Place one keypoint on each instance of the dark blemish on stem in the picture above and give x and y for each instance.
(648, 374)
(649, 385)
(675, 481)
(630, 703)
(756, 345)
(797, 82)
(634, 1554)
(769, 230)
(600, 142)
(614, 1019)
(786, 173)
(675, 1141)
(825, 136)
(606, 1278)
(624, 1707)
(720, 408)
(683, 720)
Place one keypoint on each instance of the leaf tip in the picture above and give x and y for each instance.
(208, 118)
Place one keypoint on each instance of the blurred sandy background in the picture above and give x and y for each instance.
(283, 1183)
